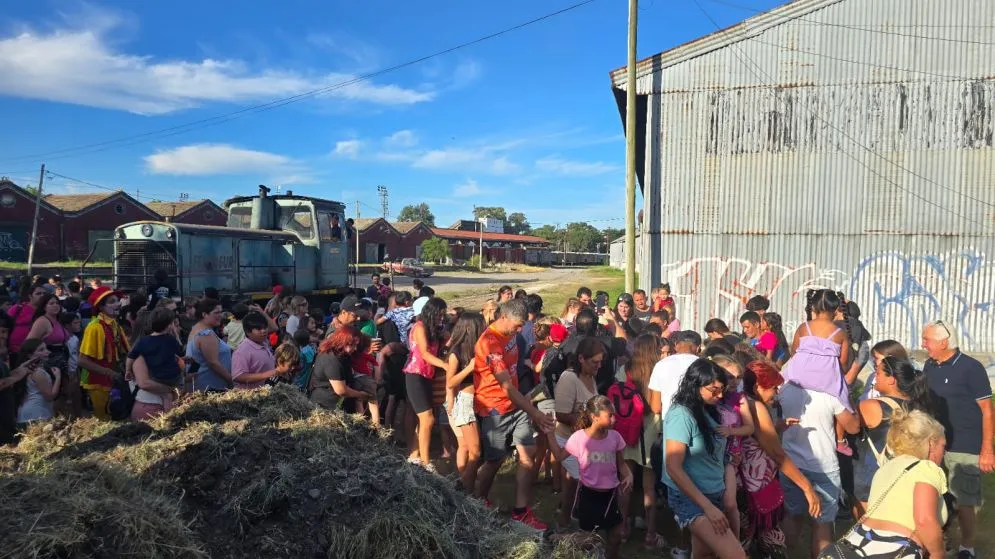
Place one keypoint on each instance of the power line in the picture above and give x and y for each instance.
(277, 103)
(102, 187)
(745, 58)
(868, 29)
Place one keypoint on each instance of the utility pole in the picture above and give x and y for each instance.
(480, 262)
(34, 225)
(630, 153)
(355, 280)
(383, 199)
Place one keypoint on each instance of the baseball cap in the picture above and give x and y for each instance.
(351, 304)
(557, 332)
(419, 304)
(625, 297)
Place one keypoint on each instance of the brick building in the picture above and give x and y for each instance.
(88, 219)
(498, 247)
(17, 207)
(196, 212)
(380, 239)
(70, 225)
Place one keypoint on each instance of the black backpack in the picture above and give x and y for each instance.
(122, 399)
(556, 363)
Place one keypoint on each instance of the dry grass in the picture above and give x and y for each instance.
(247, 473)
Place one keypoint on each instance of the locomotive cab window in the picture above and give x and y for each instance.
(298, 220)
(329, 227)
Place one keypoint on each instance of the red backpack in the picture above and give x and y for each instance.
(629, 407)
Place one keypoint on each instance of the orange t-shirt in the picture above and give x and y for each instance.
(494, 353)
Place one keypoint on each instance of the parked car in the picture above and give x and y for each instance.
(409, 267)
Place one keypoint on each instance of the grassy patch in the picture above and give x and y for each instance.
(599, 278)
(53, 265)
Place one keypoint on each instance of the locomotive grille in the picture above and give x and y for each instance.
(135, 263)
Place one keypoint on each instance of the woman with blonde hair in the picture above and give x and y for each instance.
(490, 311)
(907, 511)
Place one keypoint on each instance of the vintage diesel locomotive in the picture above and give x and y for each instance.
(299, 242)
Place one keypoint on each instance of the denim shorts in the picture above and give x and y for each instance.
(687, 511)
(827, 486)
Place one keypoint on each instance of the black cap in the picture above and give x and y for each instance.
(625, 297)
(350, 303)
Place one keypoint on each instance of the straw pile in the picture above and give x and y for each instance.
(241, 474)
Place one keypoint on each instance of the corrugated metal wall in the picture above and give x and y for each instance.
(850, 147)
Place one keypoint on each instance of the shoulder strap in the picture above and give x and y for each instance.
(808, 328)
(833, 335)
(882, 497)
(890, 402)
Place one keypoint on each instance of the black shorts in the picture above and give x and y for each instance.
(596, 509)
(419, 391)
(394, 384)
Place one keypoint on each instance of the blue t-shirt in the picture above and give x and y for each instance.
(160, 353)
(707, 471)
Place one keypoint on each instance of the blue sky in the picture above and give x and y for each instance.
(525, 121)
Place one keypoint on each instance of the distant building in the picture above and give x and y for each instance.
(196, 212)
(498, 247)
(89, 220)
(380, 239)
(70, 226)
(616, 253)
(492, 224)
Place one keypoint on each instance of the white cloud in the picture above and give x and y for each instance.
(82, 66)
(467, 189)
(215, 159)
(348, 148)
(561, 166)
(401, 139)
(482, 159)
(466, 73)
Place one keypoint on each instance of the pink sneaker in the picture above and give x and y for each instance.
(529, 519)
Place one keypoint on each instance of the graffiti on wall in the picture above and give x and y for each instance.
(718, 287)
(10, 248)
(904, 292)
(897, 293)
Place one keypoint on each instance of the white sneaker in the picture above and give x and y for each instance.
(678, 553)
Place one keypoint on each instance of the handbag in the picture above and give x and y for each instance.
(843, 549)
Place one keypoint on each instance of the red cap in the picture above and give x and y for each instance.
(100, 293)
(277, 289)
(557, 332)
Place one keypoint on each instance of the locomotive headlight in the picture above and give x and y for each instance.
(170, 233)
(147, 230)
(121, 234)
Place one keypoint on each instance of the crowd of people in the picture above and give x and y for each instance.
(742, 438)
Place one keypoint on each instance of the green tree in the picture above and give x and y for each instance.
(32, 190)
(435, 249)
(582, 237)
(517, 224)
(495, 212)
(419, 212)
(550, 233)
